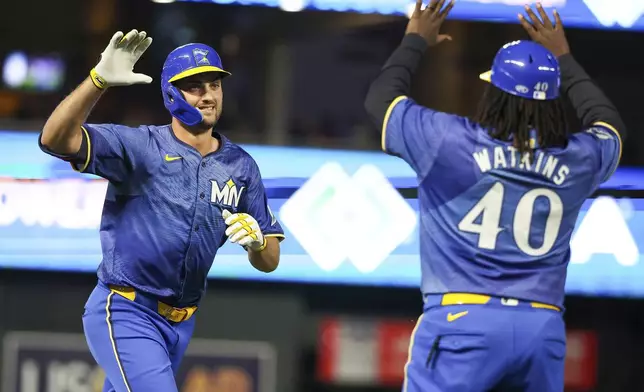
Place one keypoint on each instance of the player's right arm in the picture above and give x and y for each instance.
(603, 127)
(64, 135)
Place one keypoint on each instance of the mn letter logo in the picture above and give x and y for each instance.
(228, 194)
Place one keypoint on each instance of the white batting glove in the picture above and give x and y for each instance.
(244, 230)
(117, 60)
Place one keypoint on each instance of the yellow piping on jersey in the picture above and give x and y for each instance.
(386, 120)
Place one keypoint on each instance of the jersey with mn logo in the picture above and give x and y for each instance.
(162, 219)
(492, 221)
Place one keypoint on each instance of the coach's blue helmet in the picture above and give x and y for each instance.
(185, 61)
(525, 69)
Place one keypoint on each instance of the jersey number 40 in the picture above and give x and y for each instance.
(489, 208)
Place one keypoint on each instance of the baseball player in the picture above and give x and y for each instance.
(176, 193)
(499, 196)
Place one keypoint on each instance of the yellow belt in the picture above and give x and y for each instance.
(170, 313)
(479, 299)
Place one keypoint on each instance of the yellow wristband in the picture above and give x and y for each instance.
(263, 246)
(98, 81)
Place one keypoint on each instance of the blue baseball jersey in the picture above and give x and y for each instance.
(162, 222)
(492, 221)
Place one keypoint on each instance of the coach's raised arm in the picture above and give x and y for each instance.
(589, 101)
(394, 79)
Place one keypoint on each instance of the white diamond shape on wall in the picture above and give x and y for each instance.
(336, 217)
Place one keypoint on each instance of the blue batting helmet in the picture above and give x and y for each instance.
(184, 61)
(525, 69)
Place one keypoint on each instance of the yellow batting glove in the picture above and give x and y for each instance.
(244, 230)
(116, 66)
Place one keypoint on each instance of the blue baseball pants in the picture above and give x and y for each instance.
(138, 349)
(501, 345)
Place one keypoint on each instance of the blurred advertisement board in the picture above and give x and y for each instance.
(58, 362)
(326, 202)
(596, 14)
(373, 352)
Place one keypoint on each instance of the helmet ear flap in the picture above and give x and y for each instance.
(172, 95)
(179, 108)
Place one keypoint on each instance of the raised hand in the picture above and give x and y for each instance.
(427, 22)
(116, 66)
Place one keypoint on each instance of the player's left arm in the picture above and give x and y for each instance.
(268, 259)
(255, 227)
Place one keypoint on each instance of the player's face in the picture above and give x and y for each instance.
(204, 92)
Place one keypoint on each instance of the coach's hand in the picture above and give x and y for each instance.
(117, 60)
(427, 22)
(542, 31)
(244, 230)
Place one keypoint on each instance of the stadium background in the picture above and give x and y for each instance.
(299, 80)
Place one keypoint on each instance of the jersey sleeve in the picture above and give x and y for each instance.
(256, 205)
(414, 133)
(606, 144)
(111, 151)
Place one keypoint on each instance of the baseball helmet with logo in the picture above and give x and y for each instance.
(525, 69)
(185, 61)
